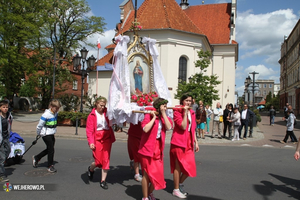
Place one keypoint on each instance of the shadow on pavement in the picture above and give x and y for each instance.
(268, 188)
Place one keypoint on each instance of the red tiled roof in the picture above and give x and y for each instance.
(162, 14)
(263, 102)
(111, 46)
(105, 59)
(213, 20)
(234, 42)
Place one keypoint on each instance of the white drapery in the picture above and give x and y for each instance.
(118, 105)
(119, 108)
(159, 80)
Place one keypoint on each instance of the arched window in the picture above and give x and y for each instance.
(182, 69)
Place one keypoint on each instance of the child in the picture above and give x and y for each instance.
(133, 142)
(208, 114)
(183, 144)
(100, 137)
(47, 128)
(201, 120)
(152, 147)
(5, 127)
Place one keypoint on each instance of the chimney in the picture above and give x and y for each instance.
(184, 4)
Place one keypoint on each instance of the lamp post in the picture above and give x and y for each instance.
(77, 67)
(253, 89)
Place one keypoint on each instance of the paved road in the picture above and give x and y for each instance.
(223, 173)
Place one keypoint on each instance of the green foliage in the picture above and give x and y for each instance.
(201, 86)
(79, 115)
(27, 89)
(64, 115)
(275, 102)
(258, 117)
(68, 24)
(69, 102)
(90, 101)
(29, 31)
(269, 97)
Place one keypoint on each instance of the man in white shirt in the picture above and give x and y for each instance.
(246, 114)
(218, 112)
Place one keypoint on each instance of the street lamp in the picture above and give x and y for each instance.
(84, 71)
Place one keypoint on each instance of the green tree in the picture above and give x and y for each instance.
(69, 24)
(19, 25)
(201, 86)
(269, 97)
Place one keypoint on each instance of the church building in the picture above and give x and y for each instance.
(180, 30)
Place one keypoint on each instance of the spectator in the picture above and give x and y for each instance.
(236, 121)
(272, 113)
(208, 114)
(201, 120)
(227, 125)
(245, 119)
(218, 120)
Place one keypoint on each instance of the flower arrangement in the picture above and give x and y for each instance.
(144, 99)
(135, 26)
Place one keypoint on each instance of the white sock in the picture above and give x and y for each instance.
(176, 190)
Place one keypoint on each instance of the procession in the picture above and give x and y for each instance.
(158, 115)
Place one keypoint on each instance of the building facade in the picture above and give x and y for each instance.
(180, 32)
(290, 70)
(262, 89)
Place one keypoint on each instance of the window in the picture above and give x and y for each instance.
(265, 85)
(270, 85)
(265, 92)
(259, 85)
(182, 69)
(75, 85)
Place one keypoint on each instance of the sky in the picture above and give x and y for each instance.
(260, 29)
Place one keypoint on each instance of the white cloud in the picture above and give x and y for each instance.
(262, 34)
(264, 72)
(105, 40)
(240, 90)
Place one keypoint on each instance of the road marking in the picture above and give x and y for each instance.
(246, 145)
(267, 145)
(288, 146)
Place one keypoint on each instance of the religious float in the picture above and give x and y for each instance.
(137, 79)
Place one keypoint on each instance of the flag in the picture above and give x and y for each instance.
(98, 43)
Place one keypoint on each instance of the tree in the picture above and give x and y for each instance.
(68, 24)
(29, 26)
(201, 86)
(19, 25)
(269, 97)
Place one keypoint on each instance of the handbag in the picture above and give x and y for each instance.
(221, 118)
(237, 123)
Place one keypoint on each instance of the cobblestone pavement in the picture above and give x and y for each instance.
(264, 135)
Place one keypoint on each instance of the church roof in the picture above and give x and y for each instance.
(162, 14)
(213, 20)
(105, 59)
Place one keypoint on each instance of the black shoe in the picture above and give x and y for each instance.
(51, 169)
(34, 162)
(104, 185)
(90, 173)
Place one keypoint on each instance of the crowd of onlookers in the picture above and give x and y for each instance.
(227, 123)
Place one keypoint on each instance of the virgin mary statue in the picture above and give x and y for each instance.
(138, 75)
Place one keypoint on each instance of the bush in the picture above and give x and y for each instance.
(71, 115)
(79, 115)
(258, 117)
(64, 115)
(69, 102)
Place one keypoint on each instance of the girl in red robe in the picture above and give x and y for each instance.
(183, 144)
(152, 147)
(100, 137)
